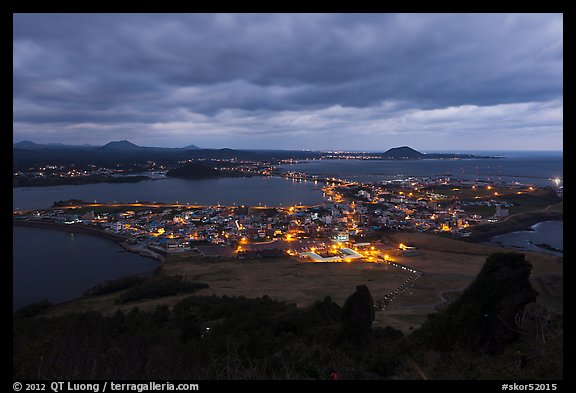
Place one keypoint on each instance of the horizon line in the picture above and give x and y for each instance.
(333, 149)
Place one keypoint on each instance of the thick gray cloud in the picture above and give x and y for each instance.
(297, 81)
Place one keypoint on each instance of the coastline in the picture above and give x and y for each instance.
(75, 228)
(534, 239)
(514, 223)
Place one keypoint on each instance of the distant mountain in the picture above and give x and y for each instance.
(191, 147)
(26, 153)
(26, 145)
(125, 145)
(114, 145)
(403, 153)
(29, 145)
(120, 145)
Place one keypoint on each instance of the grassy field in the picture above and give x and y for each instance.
(523, 200)
(449, 265)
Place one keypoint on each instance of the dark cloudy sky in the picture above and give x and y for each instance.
(307, 81)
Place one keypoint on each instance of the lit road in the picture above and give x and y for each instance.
(168, 205)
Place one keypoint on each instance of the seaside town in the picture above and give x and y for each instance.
(287, 196)
(340, 229)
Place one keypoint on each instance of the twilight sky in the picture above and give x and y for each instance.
(369, 82)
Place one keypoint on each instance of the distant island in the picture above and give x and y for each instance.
(194, 171)
(402, 153)
(407, 153)
(399, 153)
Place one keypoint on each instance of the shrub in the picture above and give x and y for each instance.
(113, 286)
(32, 309)
(159, 287)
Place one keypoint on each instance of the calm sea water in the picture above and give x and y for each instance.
(548, 232)
(59, 266)
(526, 167)
(227, 191)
